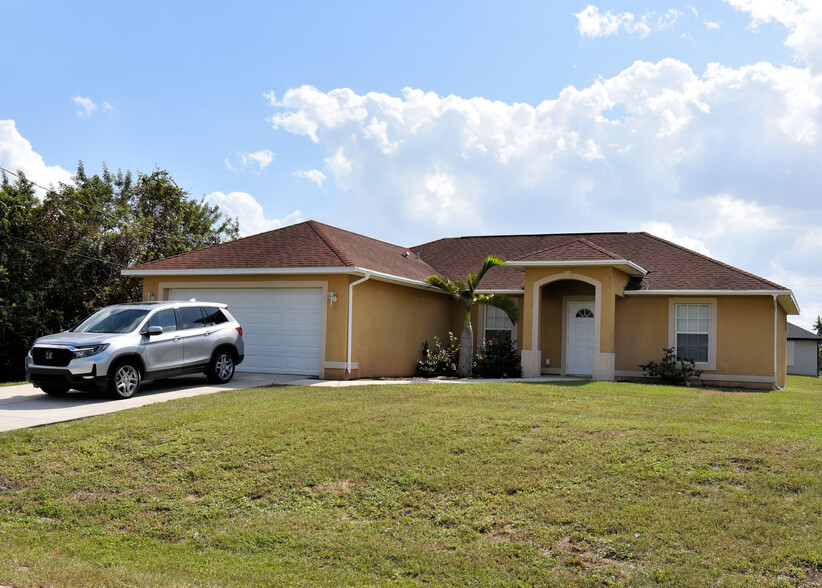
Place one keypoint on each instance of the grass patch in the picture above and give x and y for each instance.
(3, 384)
(479, 483)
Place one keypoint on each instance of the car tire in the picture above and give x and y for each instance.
(55, 390)
(221, 368)
(124, 380)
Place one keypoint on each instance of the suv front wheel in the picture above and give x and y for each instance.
(124, 380)
(221, 368)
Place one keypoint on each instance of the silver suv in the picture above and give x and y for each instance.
(120, 346)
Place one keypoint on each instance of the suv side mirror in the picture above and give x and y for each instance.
(153, 330)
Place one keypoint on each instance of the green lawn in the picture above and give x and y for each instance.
(442, 484)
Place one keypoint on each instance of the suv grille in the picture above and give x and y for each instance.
(51, 356)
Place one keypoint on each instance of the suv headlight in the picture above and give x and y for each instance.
(90, 350)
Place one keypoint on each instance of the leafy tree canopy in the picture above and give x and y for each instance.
(61, 257)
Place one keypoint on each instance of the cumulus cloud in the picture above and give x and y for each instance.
(312, 175)
(255, 162)
(17, 154)
(719, 160)
(802, 18)
(592, 23)
(249, 213)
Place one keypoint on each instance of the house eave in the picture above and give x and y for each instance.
(280, 271)
(628, 267)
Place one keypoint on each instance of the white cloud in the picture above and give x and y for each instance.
(592, 23)
(255, 162)
(719, 161)
(802, 18)
(312, 175)
(712, 25)
(87, 106)
(17, 154)
(249, 212)
(666, 231)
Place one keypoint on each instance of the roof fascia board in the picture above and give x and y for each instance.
(635, 270)
(292, 271)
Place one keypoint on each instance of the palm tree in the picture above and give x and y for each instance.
(467, 294)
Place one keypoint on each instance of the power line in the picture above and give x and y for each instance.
(50, 191)
(43, 245)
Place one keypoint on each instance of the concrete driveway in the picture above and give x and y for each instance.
(25, 406)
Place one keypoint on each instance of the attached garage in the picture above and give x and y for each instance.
(282, 327)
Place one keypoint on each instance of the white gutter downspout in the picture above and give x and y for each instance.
(350, 318)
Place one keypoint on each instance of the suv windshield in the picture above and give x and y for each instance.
(112, 320)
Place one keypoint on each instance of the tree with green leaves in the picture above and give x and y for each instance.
(466, 292)
(61, 256)
(818, 325)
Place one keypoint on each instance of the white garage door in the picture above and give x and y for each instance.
(282, 327)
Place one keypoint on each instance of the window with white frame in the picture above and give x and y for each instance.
(693, 332)
(497, 325)
(791, 361)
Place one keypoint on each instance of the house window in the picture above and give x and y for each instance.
(791, 362)
(693, 332)
(497, 325)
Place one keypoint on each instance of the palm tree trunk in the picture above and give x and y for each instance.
(466, 350)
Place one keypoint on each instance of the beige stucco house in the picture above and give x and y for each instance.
(317, 300)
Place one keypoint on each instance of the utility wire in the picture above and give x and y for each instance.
(43, 245)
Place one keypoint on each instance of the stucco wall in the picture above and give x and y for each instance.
(391, 323)
(744, 337)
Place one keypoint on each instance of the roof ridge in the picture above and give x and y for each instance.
(715, 261)
(582, 240)
(327, 239)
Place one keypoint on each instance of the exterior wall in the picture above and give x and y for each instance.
(805, 358)
(391, 322)
(744, 338)
(641, 331)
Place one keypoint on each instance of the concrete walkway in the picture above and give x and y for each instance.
(25, 406)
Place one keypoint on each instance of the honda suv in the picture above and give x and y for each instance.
(120, 346)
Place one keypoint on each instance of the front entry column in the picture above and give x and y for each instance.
(604, 357)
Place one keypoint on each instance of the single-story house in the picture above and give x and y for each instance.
(318, 300)
(803, 351)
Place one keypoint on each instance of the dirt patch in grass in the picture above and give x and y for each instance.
(335, 488)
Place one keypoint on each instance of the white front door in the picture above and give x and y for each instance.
(580, 341)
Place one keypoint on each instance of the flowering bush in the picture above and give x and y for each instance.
(441, 361)
(497, 358)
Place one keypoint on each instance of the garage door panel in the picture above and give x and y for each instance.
(282, 327)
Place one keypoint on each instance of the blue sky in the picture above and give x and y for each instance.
(696, 121)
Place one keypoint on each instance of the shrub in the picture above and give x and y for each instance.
(439, 362)
(497, 359)
(672, 370)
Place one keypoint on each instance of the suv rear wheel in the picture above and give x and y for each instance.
(221, 368)
(124, 380)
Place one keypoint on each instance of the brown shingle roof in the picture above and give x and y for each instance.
(576, 250)
(315, 245)
(305, 245)
(669, 266)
